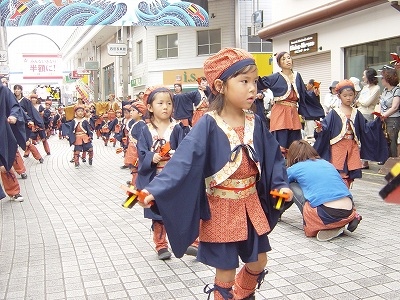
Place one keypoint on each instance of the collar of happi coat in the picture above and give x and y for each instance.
(289, 84)
(167, 134)
(236, 148)
(344, 127)
(77, 121)
(203, 98)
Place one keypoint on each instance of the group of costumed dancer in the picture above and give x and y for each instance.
(206, 157)
(230, 169)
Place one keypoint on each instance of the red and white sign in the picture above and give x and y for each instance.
(42, 66)
(75, 75)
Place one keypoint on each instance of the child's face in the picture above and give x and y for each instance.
(240, 91)
(118, 114)
(135, 115)
(161, 107)
(80, 113)
(127, 114)
(347, 97)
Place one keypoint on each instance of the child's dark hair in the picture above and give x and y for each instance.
(299, 151)
(149, 99)
(218, 103)
(279, 56)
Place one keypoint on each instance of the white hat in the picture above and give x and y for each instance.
(356, 82)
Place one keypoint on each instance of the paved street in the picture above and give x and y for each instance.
(72, 239)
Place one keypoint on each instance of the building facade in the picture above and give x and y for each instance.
(165, 55)
(333, 40)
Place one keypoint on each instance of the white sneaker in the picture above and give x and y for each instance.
(17, 198)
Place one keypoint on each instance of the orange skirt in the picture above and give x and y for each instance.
(131, 155)
(284, 117)
(346, 152)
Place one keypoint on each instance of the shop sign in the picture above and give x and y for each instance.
(184, 76)
(136, 82)
(91, 65)
(75, 75)
(117, 49)
(304, 45)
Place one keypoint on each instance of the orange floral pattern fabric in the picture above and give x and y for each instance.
(200, 111)
(228, 222)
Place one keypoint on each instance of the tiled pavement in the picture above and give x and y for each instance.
(72, 239)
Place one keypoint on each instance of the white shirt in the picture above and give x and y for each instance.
(268, 99)
(331, 101)
(369, 97)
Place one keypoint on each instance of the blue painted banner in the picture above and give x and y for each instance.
(103, 12)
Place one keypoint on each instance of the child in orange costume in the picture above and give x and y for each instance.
(219, 180)
(160, 130)
(138, 110)
(80, 135)
(345, 136)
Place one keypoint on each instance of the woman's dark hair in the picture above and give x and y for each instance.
(370, 74)
(390, 76)
(299, 151)
(279, 56)
(218, 102)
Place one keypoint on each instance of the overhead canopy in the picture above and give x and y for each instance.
(317, 15)
(105, 12)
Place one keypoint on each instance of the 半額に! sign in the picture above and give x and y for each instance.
(42, 66)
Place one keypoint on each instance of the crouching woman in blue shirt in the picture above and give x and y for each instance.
(319, 192)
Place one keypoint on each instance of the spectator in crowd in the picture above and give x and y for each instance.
(390, 102)
(326, 212)
(312, 89)
(331, 99)
(368, 98)
(357, 87)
